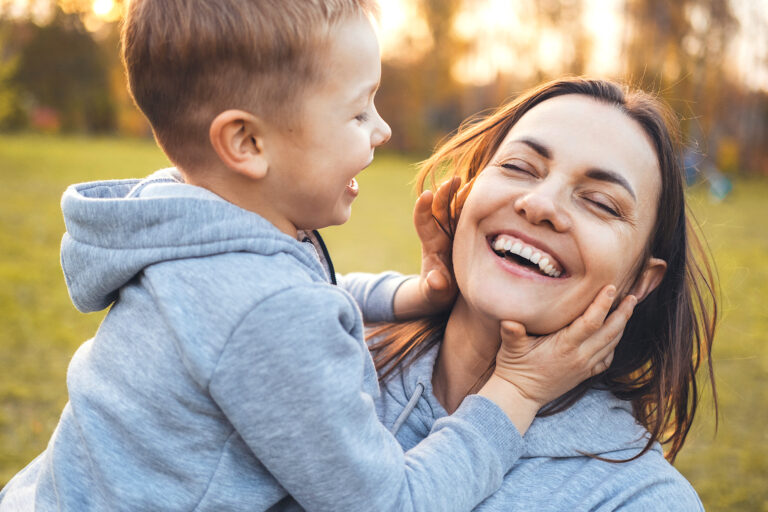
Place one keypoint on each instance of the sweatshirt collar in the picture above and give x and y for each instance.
(599, 423)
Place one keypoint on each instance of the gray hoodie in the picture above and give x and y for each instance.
(229, 374)
(554, 474)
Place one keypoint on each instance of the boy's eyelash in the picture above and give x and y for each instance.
(362, 117)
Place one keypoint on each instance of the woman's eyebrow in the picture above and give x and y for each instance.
(612, 177)
(535, 145)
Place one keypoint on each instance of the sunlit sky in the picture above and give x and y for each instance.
(499, 38)
(496, 29)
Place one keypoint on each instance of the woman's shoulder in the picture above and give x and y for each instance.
(649, 482)
(567, 464)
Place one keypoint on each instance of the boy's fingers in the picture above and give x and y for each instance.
(605, 353)
(614, 325)
(437, 282)
(592, 319)
(617, 321)
(422, 211)
(602, 365)
(512, 331)
(444, 192)
(442, 200)
(461, 197)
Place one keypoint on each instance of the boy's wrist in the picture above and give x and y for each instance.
(520, 409)
(410, 302)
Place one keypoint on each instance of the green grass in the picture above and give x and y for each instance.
(40, 329)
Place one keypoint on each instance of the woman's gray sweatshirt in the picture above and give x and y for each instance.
(555, 473)
(229, 374)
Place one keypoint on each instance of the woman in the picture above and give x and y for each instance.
(574, 185)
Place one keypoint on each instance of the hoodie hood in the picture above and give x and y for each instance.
(598, 424)
(117, 228)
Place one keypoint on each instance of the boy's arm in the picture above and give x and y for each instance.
(291, 381)
(374, 293)
(389, 297)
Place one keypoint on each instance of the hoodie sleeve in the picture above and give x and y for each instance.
(291, 380)
(374, 293)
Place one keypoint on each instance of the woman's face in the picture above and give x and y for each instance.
(576, 183)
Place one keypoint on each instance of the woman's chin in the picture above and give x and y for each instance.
(538, 315)
(540, 322)
(542, 328)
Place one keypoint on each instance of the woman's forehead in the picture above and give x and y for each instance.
(582, 133)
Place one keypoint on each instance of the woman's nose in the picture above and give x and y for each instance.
(541, 207)
(382, 132)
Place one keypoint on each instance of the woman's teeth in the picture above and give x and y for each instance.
(506, 244)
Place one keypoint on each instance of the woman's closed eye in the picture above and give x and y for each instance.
(519, 167)
(362, 117)
(604, 205)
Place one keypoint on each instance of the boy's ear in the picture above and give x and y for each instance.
(237, 138)
(649, 279)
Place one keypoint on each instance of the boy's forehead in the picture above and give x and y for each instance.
(365, 91)
(352, 64)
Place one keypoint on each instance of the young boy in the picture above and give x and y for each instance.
(229, 373)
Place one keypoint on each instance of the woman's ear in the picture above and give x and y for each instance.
(237, 138)
(649, 279)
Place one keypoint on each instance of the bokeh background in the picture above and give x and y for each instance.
(65, 117)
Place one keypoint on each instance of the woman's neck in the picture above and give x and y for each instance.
(469, 348)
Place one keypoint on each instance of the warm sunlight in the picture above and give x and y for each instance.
(403, 33)
(103, 7)
(500, 40)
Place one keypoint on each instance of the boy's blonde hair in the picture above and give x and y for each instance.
(189, 60)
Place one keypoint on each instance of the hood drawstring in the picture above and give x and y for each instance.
(408, 408)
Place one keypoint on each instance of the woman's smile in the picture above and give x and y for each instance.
(520, 256)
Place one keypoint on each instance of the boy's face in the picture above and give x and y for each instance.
(312, 168)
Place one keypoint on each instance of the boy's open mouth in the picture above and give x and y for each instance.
(526, 255)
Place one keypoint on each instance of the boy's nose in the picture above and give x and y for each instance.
(382, 132)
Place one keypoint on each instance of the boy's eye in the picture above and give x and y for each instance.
(362, 117)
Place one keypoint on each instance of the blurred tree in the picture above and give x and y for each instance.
(61, 68)
(679, 50)
(11, 113)
(420, 97)
(566, 19)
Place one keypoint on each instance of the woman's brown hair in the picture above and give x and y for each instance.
(671, 331)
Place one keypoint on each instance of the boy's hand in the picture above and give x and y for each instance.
(545, 367)
(435, 288)
(541, 369)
